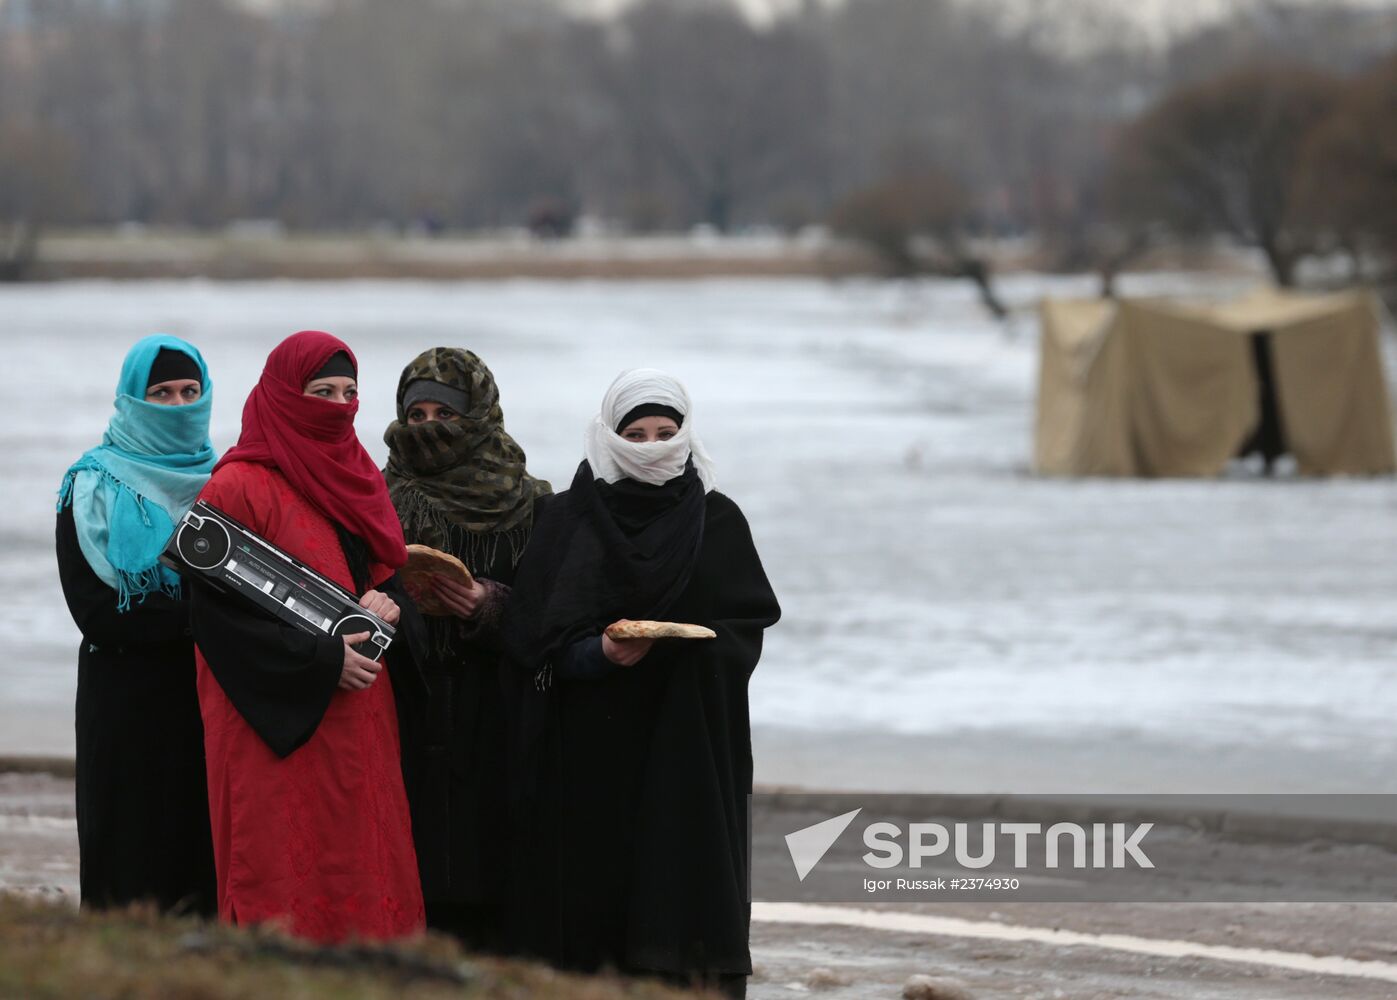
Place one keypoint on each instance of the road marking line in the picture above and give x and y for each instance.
(901, 921)
(27, 824)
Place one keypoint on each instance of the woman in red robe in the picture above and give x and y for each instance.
(310, 819)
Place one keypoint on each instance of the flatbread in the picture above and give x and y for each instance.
(658, 630)
(424, 562)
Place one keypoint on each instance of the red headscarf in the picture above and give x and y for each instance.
(312, 442)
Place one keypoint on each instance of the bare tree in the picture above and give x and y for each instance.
(1224, 156)
(1335, 37)
(1348, 179)
(476, 113)
(918, 224)
(36, 189)
(720, 112)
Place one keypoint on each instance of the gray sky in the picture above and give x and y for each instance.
(1158, 16)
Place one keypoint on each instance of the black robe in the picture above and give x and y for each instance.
(453, 739)
(631, 818)
(142, 792)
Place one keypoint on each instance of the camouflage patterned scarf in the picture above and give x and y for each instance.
(460, 485)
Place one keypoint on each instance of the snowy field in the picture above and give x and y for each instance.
(951, 623)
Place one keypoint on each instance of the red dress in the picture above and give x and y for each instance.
(319, 840)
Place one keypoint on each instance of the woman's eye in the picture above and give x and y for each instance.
(666, 435)
(445, 414)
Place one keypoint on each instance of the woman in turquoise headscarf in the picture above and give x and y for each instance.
(142, 803)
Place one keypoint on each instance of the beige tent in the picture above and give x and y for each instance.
(1152, 388)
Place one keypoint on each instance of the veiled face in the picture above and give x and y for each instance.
(426, 411)
(335, 388)
(648, 429)
(176, 392)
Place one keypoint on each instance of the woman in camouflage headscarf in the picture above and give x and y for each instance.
(460, 484)
(458, 480)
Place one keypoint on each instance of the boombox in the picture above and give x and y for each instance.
(209, 544)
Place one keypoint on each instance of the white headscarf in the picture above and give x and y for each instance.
(613, 458)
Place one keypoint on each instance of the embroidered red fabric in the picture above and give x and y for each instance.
(320, 841)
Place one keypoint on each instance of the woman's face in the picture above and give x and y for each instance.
(426, 411)
(649, 429)
(335, 388)
(176, 392)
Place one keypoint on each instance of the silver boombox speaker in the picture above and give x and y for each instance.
(213, 546)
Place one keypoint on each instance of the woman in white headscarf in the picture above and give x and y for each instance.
(634, 757)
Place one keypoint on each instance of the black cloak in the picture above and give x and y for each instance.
(452, 728)
(142, 793)
(631, 790)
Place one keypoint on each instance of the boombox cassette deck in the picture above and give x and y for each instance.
(226, 554)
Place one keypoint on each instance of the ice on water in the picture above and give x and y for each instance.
(878, 440)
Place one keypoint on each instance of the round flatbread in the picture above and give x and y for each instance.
(658, 630)
(424, 562)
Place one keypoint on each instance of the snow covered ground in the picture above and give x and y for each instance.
(951, 622)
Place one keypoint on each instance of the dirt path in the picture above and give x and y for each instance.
(848, 962)
(995, 950)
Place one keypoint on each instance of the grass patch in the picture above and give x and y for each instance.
(50, 951)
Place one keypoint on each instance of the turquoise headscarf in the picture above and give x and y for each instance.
(128, 492)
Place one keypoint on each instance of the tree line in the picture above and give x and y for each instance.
(922, 127)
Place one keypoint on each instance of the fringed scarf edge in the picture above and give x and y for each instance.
(130, 583)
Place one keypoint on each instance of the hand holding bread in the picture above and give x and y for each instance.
(440, 583)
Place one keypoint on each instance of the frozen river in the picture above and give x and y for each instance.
(951, 623)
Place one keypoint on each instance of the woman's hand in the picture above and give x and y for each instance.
(358, 671)
(382, 605)
(461, 600)
(625, 652)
